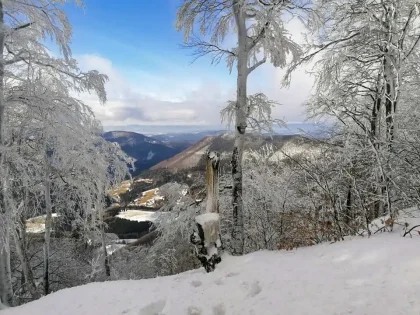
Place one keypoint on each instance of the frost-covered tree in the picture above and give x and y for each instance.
(72, 165)
(260, 36)
(50, 144)
(366, 63)
(367, 51)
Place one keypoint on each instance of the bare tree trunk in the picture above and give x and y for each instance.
(212, 182)
(348, 217)
(47, 235)
(207, 239)
(106, 258)
(377, 206)
(238, 234)
(389, 115)
(2, 103)
(6, 290)
(390, 64)
(374, 118)
(19, 234)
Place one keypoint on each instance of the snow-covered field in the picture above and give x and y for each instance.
(149, 198)
(37, 224)
(380, 275)
(138, 215)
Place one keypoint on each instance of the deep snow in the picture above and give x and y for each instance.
(380, 275)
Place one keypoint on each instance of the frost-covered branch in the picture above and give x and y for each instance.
(256, 65)
(258, 113)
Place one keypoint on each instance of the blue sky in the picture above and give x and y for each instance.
(152, 80)
(143, 30)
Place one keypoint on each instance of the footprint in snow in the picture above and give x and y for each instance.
(196, 283)
(218, 281)
(219, 309)
(232, 274)
(194, 310)
(154, 308)
(255, 289)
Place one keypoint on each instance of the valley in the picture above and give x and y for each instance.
(135, 203)
(139, 201)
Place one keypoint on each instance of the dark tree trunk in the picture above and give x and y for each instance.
(349, 213)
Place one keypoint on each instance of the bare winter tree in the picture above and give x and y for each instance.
(260, 37)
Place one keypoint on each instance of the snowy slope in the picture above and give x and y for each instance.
(361, 276)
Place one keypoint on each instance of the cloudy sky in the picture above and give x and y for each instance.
(152, 80)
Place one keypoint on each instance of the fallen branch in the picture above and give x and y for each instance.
(409, 231)
(382, 228)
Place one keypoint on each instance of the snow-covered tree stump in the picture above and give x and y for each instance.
(207, 237)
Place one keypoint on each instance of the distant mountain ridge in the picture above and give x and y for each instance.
(188, 158)
(194, 155)
(183, 150)
(147, 151)
(189, 131)
(187, 136)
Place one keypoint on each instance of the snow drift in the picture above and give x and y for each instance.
(379, 275)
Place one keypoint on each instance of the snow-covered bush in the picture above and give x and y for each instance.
(171, 251)
(131, 263)
(287, 201)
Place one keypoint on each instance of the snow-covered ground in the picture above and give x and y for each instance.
(380, 275)
(37, 224)
(111, 248)
(148, 198)
(138, 215)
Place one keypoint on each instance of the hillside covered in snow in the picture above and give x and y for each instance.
(377, 275)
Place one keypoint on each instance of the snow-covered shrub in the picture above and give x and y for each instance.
(131, 263)
(70, 264)
(172, 251)
(264, 193)
(284, 206)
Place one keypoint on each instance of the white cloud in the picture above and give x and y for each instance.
(139, 97)
(150, 99)
(268, 79)
(290, 99)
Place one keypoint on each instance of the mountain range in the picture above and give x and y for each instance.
(194, 156)
(181, 150)
(146, 151)
(191, 130)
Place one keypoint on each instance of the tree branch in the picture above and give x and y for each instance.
(312, 55)
(259, 36)
(412, 48)
(23, 26)
(256, 65)
(202, 48)
(409, 231)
